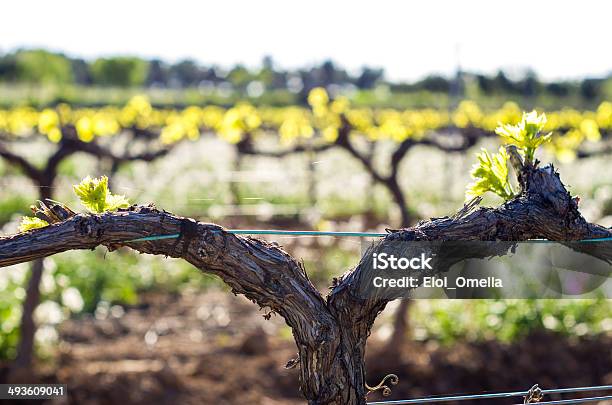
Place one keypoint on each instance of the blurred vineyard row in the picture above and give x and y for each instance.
(321, 123)
(333, 166)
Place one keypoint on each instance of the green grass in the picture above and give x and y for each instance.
(49, 95)
(507, 320)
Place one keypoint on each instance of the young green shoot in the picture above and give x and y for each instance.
(526, 135)
(93, 194)
(97, 198)
(491, 174)
(491, 171)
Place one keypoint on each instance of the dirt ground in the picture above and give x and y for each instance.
(215, 348)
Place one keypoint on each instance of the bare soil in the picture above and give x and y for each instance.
(214, 348)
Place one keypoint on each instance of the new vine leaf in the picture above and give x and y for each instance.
(93, 194)
(491, 174)
(526, 134)
(491, 171)
(96, 197)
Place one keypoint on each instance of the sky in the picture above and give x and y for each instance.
(409, 39)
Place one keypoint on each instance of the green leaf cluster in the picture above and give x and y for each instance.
(96, 197)
(526, 135)
(450, 321)
(491, 171)
(491, 174)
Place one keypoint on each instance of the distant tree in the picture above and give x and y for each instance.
(80, 71)
(502, 84)
(158, 73)
(267, 62)
(239, 77)
(186, 73)
(606, 88)
(590, 89)
(457, 85)
(279, 80)
(530, 85)
(270, 75)
(369, 77)
(435, 83)
(123, 71)
(8, 67)
(43, 67)
(321, 76)
(485, 84)
(266, 74)
(558, 89)
(328, 73)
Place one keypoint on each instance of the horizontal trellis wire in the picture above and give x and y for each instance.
(497, 395)
(314, 233)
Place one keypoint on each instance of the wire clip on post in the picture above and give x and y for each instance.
(533, 395)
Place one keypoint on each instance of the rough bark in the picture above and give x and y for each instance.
(330, 333)
(460, 142)
(261, 271)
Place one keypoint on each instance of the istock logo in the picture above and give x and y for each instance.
(384, 261)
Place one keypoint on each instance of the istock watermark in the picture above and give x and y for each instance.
(478, 269)
(383, 261)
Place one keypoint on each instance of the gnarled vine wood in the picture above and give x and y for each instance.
(330, 332)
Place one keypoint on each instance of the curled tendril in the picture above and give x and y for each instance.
(383, 385)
